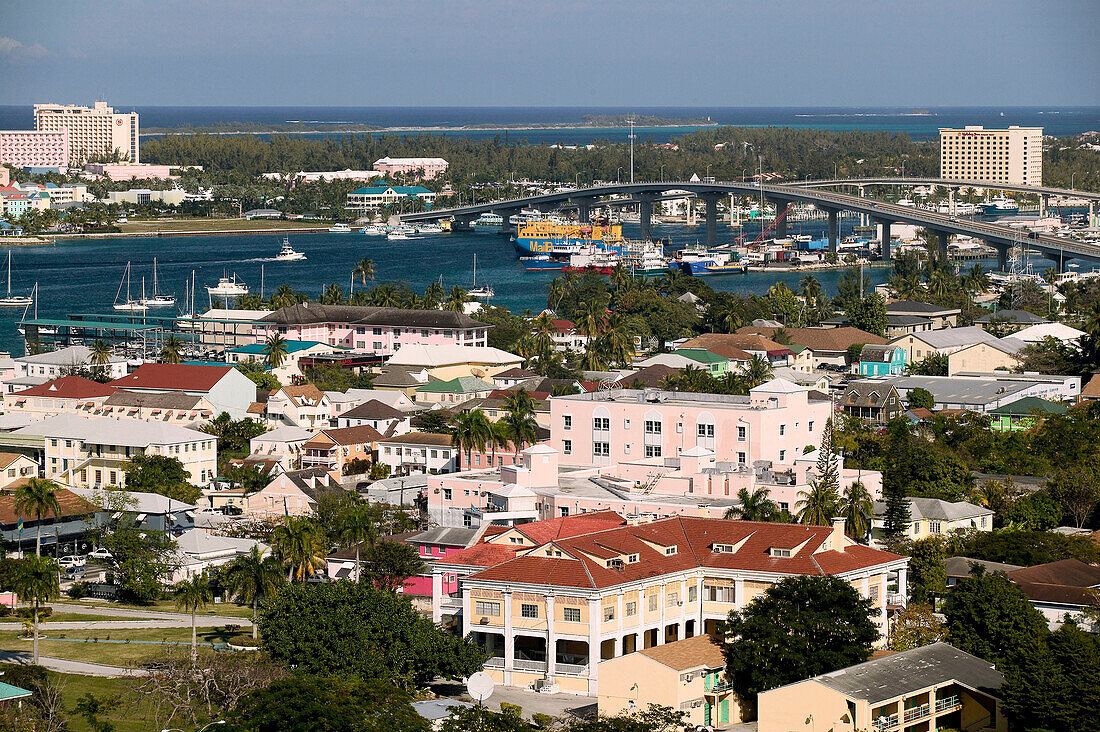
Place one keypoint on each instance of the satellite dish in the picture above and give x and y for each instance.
(480, 686)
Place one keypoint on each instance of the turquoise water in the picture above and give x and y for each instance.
(82, 276)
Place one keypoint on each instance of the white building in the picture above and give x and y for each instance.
(42, 367)
(94, 132)
(1013, 155)
(418, 452)
(197, 551)
(282, 445)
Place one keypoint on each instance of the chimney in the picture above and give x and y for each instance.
(838, 532)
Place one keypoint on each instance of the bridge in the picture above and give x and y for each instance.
(1001, 238)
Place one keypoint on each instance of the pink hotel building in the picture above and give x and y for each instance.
(428, 168)
(377, 330)
(29, 148)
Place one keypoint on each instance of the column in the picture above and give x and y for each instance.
(739, 593)
(1044, 201)
(437, 596)
(584, 212)
(943, 237)
(903, 585)
(467, 610)
(864, 219)
(552, 639)
(595, 651)
(885, 239)
(662, 608)
(951, 201)
(509, 638)
(645, 214)
(711, 200)
(780, 221)
(505, 226)
(1002, 255)
(834, 230)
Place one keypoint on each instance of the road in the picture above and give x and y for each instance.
(130, 618)
(65, 666)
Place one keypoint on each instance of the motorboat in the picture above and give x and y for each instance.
(374, 230)
(14, 300)
(158, 300)
(430, 227)
(228, 287)
(397, 235)
(339, 229)
(288, 253)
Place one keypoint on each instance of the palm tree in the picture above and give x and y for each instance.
(101, 353)
(593, 317)
(472, 432)
(976, 280)
(36, 579)
(555, 291)
(38, 497)
(275, 350)
(298, 543)
(857, 507)
(358, 527)
(755, 506)
(544, 335)
(519, 420)
(364, 270)
(618, 341)
(253, 576)
(333, 295)
(284, 296)
(172, 350)
(818, 505)
(940, 283)
(433, 295)
(810, 289)
(456, 299)
(758, 371)
(191, 595)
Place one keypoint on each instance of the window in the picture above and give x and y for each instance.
(723, 548)
(672, 599)
(467, 521)
(670, 550)
(652, 427)
(652, 451)
(378, 345)
(652, 603)
(446, 494)
(601, 449)
(934, 527)
(780, 553)
(528, 611)
(631, 609)
(567, 422)
(601, 423)
(782, 430)
(873, 592)
(377, 331)
(632, 559)
(435, 453)
(609, 613)
(487, 608)
(782, 456)
(693, 593)
(741, 432)
(718, 594)
(704, 430)
(741, 458)
(810, 426)
(567, 447)
(571, 614)
(515, 539)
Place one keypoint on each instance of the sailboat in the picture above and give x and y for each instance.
(14, 300)
(479, 293)
(157, 300)
(129, 305)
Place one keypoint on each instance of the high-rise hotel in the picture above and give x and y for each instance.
(1013, 156)
(94, 132)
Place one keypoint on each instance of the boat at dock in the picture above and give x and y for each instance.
(129, 305)
(999, 206)
(11, 300)
(479, 293)
(700, 261)
(158, 300)
(564, 239)
(373, 230)
(339, 229)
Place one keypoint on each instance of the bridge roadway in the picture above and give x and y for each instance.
(1001, 238)
(1041, 191)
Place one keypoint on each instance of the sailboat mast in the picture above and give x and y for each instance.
(9, 273)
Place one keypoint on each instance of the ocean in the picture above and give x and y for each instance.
(920, 124)
(82, 275)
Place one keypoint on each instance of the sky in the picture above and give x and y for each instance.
(722, 53)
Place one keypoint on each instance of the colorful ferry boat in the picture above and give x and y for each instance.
(562, 239)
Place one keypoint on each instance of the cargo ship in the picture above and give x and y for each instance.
(563, 239)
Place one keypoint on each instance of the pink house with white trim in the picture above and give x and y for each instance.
(428, 168)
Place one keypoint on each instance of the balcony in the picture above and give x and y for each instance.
(521, 664)
(948, 704)
(571, 669)
(495, 662)
(915, 713)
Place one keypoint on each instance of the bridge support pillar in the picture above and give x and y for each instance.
(462, 223)
(506, 227)
(885, 244)
(645, 215)
(943, 239)
(864, 219)
(711, 201)
(780, 220)
(1002, 255)
(834, 230)
(1044, 201)
(584, 212)
(1092, 211)
(951, 201)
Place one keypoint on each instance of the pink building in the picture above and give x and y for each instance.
(129, 171)
(775, 422)
(377, 330)
(28, 148)
(426, 168)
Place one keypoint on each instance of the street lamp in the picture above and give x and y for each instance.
(619, 175)
(1071, 176)
(662, 173)
(578, 179)
(708, 170)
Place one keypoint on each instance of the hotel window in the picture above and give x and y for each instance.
(810, 426)
(608, 613)
(571, 614)
(377, 331)
(601, 449)
(652, 603)
(446, 494)
(670, 550)
(741, 432)
(652, 427)
(487, 608)
(528, 611)
(704, 430)
(693, 593)
(566, 422)
(782, 456)
(378, 345)
(598, 423)
(782, 430)
(435, 453)
(631, 609)
(672, 599)
(567, 447)
(741, 458)
(652, 451)
(718, 594)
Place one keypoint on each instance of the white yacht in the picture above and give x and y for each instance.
(397, 235)
(288, 253)
(374, 230)
(339, 229)
(14, 300)
(228, 287)
(158, 300)
(129, 305)
(429, 227)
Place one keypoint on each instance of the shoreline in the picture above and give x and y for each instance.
(162, 234)
(367, 130)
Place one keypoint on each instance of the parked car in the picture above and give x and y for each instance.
(74, 573)
(100, 553)
(72, 560)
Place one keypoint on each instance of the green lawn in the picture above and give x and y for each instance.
(133, 714)
(204, 224)
(97, 650)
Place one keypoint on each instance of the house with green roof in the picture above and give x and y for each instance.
(11, 693)
(453, 391)
(384, 194)
(1023, 414)
(295, 351)
(682, 358)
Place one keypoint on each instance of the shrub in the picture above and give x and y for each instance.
(44, 612)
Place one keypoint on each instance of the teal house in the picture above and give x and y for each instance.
(882, 361)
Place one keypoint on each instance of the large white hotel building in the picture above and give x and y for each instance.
(94, 132)
(1013, 156)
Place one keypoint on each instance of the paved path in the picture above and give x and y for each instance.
(119, 624)
(65, 666)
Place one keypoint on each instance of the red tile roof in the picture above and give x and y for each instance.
(694, 539)
(541, 532)
(69, 387)
(70, 504)
(483, 555)
(175, 377)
